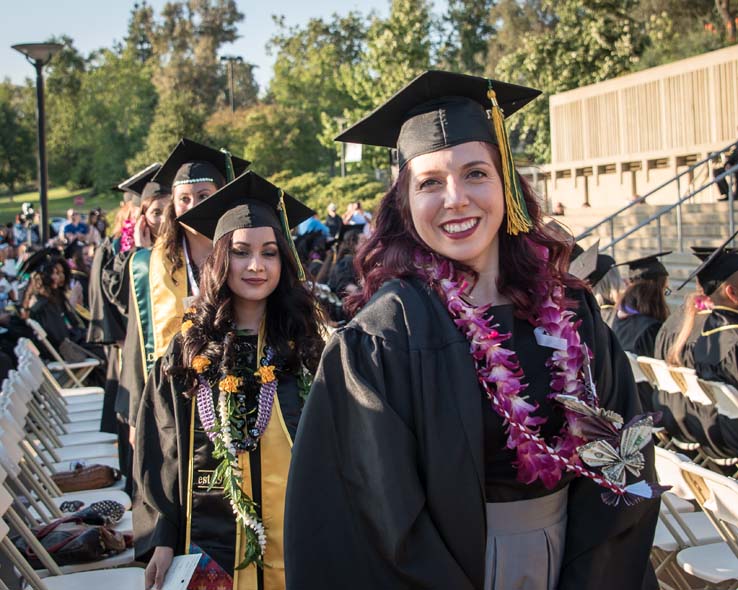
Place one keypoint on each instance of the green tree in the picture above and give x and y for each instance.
(583, 43)
(467, 28)
(187, 73)
(116, 109)
(64, 79)
(676, 30)
(397, 50)
(17, 137)
(307, 78)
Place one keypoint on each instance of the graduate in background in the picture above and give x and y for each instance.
(642, 308)
(715, 356)
(161, 278)
(606, 286)
(678, 334)
(221, 406)
(716, 350)
(420, 464)
(109, 308)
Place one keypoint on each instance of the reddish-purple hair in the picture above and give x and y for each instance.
(526, 277)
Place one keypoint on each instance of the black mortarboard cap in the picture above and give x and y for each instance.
(435, 111)
(38, 260)
(717, 265)
(646, 268)
(136, 183)
(155, 190)
(192, 162)
(604, 264)
(248, 201)
(585, 263)
(439, 110)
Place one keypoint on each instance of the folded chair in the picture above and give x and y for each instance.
(76, 372)
(717, 495)
(677, 529)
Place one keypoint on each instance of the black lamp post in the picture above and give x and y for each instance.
(230, 60)
(40, 54)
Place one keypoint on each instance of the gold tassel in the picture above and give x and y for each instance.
(288, 235)
(518, 219)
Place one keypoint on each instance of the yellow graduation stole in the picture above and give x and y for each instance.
(276, 452)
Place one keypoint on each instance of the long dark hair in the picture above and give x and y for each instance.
(526, 277)
(647, 297)
(171, 234)
(40, 282)
(292, 316)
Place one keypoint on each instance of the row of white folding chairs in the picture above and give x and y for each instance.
(23, 457)
(131, 578)
(702, 544)
(683, 380)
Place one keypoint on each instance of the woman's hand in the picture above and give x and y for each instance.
(158, 568)
(142, 233)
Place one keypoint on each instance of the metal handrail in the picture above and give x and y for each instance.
(668, 208)
(610, 218)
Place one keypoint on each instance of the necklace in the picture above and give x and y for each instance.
(231, 419)
(591, 437)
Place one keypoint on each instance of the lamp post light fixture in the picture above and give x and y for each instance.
(40, 54)
(230, 60)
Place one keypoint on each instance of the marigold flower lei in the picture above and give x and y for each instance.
(499, 374)
(218, 431)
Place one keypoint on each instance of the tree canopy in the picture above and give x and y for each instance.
(122, 107)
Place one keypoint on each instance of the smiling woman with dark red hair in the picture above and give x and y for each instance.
(466, 429)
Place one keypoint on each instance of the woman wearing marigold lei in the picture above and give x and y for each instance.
(476, 425)
(221, 406)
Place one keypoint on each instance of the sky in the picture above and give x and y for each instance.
(98, 23)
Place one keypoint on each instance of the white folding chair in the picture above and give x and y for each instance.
(638, 373)
(725, 396)
(717, 495)
(689, 384)
(83, 368)
(678, 527)
(658, 373)
(89, 575)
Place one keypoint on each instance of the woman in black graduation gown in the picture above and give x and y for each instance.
(417, 466)
(46, 302)
(248, 346)
(642, 308)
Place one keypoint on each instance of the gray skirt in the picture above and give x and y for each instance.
(525, 543)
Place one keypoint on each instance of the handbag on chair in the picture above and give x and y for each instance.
(86, 477)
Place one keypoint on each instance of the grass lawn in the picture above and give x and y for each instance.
(60, 199)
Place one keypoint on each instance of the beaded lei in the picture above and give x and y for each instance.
(593, 442)
(234, 430)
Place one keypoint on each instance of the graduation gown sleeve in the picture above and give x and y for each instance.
(158, 465)
(116, 279)
(107, 326)
(133, 375)
(49, 315)
(609, 547)
(386, 485)
(365, 496)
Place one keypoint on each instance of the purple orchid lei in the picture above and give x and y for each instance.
(500, 375)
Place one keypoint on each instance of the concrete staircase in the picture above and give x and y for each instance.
(703, 224)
